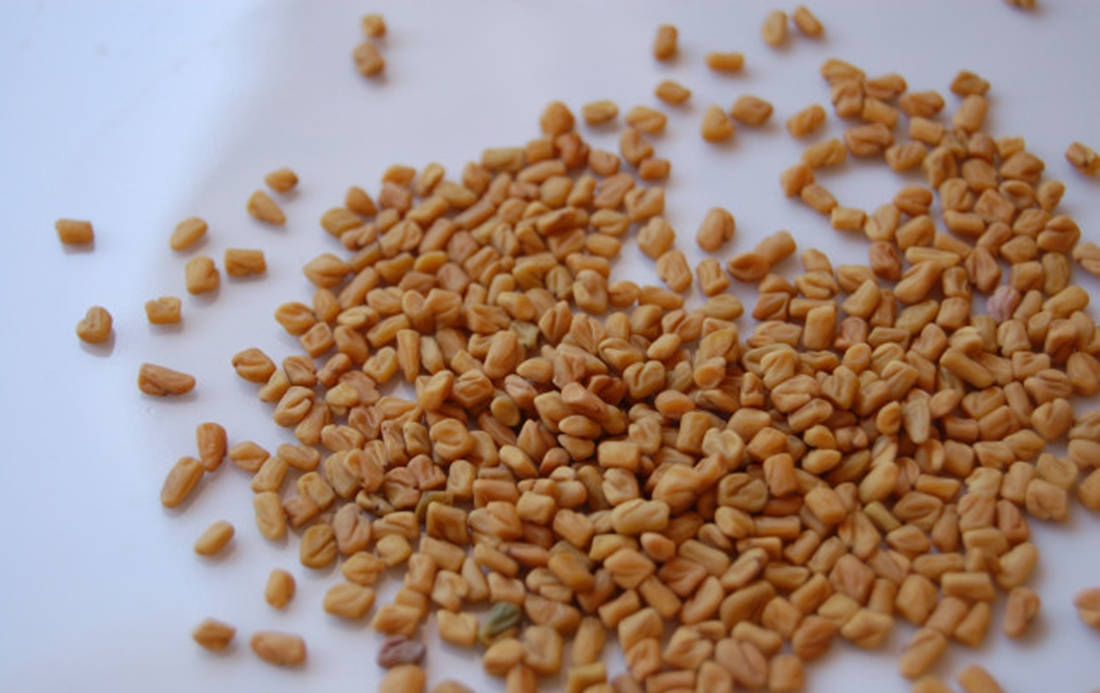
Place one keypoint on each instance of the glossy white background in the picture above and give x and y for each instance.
(135, 115)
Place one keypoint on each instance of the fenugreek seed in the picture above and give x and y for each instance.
(201, 275)
(367, 59)
(281, 180)
(975, 679)
(253, 365)
(819, 198)
(373, 25)
(725, 62)
(598, 112)
(187, 233)
(664, 45)
(649, 169)
(281, 649)
(826, 153)
(162, 382)
(264, 209)
(398, 650)
(774, 30)
(240, 262)
(921, 652)
(672, 92)
(74, 232)
(214, 538)
(1021, 607)
(646, 119)
(1088, 606)
(279, 589)
(1083, 158)
(500, 619)
(349, 600)
(163, 311)
(181, 480)
(806, 22)
(404, 678)
(795, 178)
(806, 121)
(213, 635)
(95, 326)
(717, 126)
(751, 110)
(270, 518)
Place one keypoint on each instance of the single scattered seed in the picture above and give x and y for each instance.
(1088, 606)
(279, 589)
(672, 92)
(201, 275)
(163, 311)
(282, 649)
(806, 121)
(1020, 610)
(717, 126)
(717, 228)
(1083, 158)
(725, 62)
(368, 60)
(74, 231)
(213, 635)
(806, 22)
(187, 233)
(373, 25)
(774, 30)
(967, 83)
(283, 180)
(214, 538)
(664, 46)
(263, 208)
(241, 263)
(182, 479)
(162, 382)
(751, 110)
(975, 679)
(95, 326)
(599, 112)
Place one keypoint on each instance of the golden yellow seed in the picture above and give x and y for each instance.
(214, 538)
(240, 262)
(281, 649)
(368, 61)
(806, 22)
(201, 275)
(373, 25)
(263, 208)
(716, 126)
(213, 635)
(281, 180)
(774, 30)
(74, 232)
(664, 45)
(751, 110)
(95, 326)
(163, 311)
(161, 382)
(187, 233)
(672, 92)
(725, 62)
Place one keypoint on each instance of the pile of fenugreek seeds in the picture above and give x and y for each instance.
(585, 456)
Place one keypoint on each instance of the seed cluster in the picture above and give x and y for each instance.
(586, 456)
